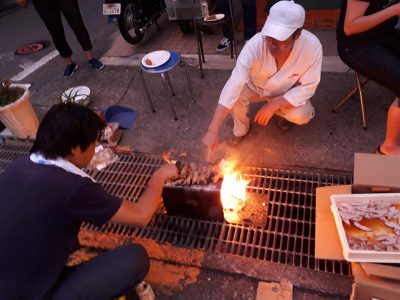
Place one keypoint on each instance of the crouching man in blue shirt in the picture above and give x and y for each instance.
(44, 199)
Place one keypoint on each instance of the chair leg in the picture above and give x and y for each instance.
(188, 79)
(146, 91)
(360, 90)
(167, 84)
(231, 47)
(166, 78)
(201, 48)
(351, 94)
(197, 43)
(233, 29)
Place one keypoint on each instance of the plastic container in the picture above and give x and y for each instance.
(19, 116)
(363, 255)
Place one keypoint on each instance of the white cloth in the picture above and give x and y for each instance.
(240, 112)
(296, 81)
(38, 158)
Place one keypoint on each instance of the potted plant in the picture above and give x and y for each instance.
(16, 111)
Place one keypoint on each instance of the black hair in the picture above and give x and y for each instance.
(66, 126)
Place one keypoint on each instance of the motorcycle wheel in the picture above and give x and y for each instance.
(128, 21)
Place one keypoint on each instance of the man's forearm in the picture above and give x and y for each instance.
(141, 212)
(219, 116)
(151, 197)
(280, 103)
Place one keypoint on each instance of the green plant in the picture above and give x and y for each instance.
(8, 93)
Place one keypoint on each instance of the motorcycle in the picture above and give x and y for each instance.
(134, 17)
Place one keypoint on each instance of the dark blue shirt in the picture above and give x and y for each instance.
(384, 29)
(41, 210)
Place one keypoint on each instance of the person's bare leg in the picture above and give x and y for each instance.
(391, 144)
(68, 60)
(89, 54)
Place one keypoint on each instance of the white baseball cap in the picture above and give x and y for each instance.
(283, 20)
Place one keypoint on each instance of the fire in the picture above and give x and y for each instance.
(233, 191)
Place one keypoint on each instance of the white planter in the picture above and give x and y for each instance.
(19, 116)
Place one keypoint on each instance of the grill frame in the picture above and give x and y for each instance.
(283, 240)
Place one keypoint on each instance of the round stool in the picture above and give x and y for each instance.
(174, 59)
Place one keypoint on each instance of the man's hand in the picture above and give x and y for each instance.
(265, 113)
(167, 171)
(211, 141)
(22, 3)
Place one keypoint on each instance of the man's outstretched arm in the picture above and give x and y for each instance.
(141, 212)
(210, 139)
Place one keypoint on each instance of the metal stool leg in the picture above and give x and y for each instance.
(360, 90)
(146, 91)
(188, 79)
(231, 46)
(167, 84)
(201, 48)
(349, 95)
(197, 41)
(166, 79)
(233, 30)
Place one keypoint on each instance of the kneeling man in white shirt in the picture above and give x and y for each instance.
(280, 66)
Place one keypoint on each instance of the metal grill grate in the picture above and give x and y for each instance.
(288, 236)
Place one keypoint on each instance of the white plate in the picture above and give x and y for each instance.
(217, 18)
(78, 94)
(157, 58)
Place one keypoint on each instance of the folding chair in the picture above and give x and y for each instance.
(359, 88)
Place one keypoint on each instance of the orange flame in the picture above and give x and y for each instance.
(233, 191)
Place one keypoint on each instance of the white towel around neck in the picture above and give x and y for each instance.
(38, 158)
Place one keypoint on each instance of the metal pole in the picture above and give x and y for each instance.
(188, 79)
(233, 27)
(197, 40)
(146, 91)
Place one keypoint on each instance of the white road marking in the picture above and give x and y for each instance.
(41, 62)
(219, 62)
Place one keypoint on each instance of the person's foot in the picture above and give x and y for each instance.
(224, 44)
(70, 70)
(283, 124)
(96, 64)
(388, 150)
(232, 140)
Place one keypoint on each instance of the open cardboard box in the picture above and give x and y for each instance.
(372, 173)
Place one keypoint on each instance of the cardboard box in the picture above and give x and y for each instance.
(372, 173)
(368, 287)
